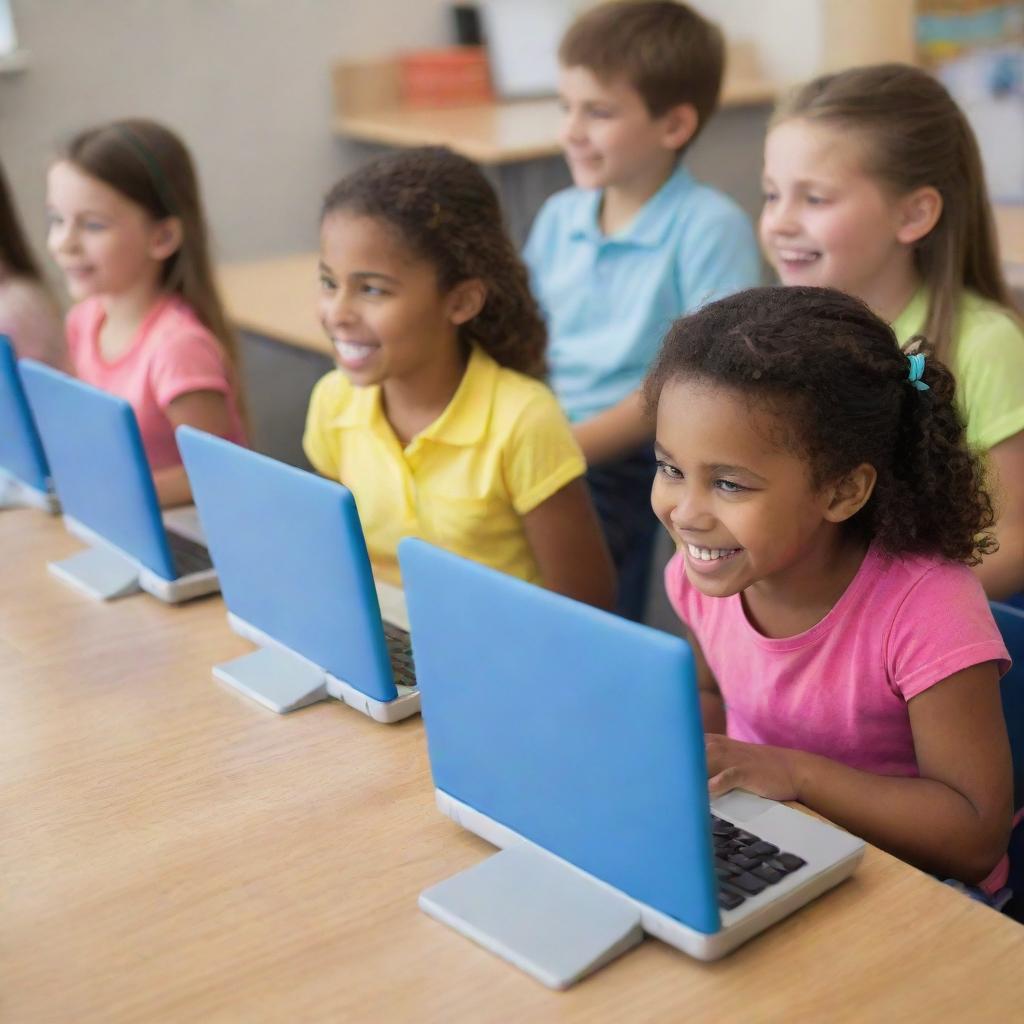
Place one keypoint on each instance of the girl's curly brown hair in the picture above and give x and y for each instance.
(444, 209)
(834, 374)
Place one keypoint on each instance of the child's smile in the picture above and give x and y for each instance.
(737, 500)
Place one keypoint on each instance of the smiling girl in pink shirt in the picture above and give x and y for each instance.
(128, 231)
(826, 510)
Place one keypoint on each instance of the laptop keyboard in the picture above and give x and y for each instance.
(189, 556)
(745, 864)
(400, 653)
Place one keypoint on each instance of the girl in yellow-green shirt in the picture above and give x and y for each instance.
(873, 184)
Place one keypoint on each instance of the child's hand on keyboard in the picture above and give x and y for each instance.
(767, 771)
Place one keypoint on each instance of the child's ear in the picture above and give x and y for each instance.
(166, 238)
(679, 123)
(466, 300)
(919, 213)
(850, 494)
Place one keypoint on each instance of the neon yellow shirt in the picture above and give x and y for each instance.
(501, 447)
(988, 363)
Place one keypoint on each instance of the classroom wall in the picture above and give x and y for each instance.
(246, 82)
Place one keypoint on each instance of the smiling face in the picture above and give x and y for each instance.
(825, 221)
(104, 243)
(380, 304)
(608, 135)
(740, 506)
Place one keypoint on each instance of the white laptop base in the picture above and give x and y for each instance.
(15, 494)
(509, 908)
(281, 680)
(106, 573)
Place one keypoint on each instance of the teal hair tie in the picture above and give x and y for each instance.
(916, 371)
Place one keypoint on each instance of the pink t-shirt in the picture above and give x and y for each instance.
(172, 354)
(841, 688)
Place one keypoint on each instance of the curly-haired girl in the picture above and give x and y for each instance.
(826, 508)
(436, 418)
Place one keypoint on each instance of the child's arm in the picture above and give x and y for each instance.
(954, 820)
(204, 410)
(615, 432)
(566, 539)
(712, 707)
(1002, 572)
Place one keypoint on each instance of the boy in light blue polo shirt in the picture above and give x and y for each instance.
(636, 243)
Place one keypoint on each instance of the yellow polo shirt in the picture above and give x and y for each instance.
(988, 363)
(500, 448)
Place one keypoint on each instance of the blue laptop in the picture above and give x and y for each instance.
(24, 473)
(572, 739)
(296, 579)
(105, 486)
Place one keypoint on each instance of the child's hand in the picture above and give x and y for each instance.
(766, 771)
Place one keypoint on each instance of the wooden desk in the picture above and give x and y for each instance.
(172, 852)
(499, 133)
(276, 298)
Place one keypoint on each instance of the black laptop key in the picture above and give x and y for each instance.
(724, 868)
(748, 883)
(189, 556)
(745, 837)
(790, 861)
(722, 828)
(729, 900)
(761, 849)
(743, 862)
(769, 875)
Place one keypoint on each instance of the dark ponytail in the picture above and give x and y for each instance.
(832, 371)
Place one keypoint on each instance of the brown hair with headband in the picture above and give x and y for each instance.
(148, 164)
(914, 135)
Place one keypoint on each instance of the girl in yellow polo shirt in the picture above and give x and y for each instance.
(437, 418)
(873, 184)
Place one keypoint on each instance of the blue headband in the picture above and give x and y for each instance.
(916, 371)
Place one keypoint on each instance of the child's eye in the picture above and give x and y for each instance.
(94, 225)
(769, 197)
(373, 290)
(816, 200)
(667, 469)
(729, 487)
(327, 285)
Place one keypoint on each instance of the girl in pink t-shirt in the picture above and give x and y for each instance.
(825, 510)
(128, 231)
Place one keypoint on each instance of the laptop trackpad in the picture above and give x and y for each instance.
(739, 805)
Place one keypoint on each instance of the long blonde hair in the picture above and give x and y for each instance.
(915, 136)
(148, 164)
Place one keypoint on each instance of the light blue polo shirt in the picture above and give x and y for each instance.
(609, 299)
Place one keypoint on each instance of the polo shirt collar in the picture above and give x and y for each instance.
(648, 228)
(463, 421)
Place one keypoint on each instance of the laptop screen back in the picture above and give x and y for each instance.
(99, 467)
(21, 452)
(291, 559)
(573, 727)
